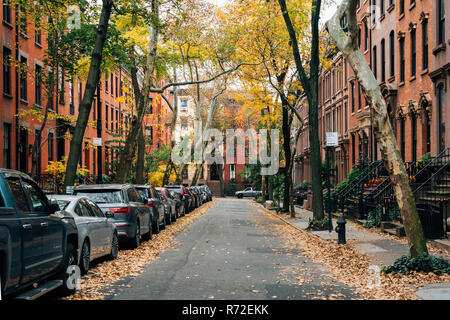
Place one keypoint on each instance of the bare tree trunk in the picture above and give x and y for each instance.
(86, 103)
(220, 168)
(140, 159)
(263, 189)
(173, 124)
(393, 161)
(287, 156)
(310, 86)
(142, 100)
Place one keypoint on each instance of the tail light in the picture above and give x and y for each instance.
(150, 204)
(120, 210)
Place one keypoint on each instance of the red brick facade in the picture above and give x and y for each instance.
(400, 46)
(18, 134)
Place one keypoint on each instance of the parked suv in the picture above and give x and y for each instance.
(185, 196)
(131, 216)
(151, 197)
(38, 243)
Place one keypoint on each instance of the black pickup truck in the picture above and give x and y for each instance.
(38, 244)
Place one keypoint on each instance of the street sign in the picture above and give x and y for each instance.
(332, 139)
(97, 142)
(69, 190)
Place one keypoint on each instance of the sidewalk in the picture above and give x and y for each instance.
(381, 250)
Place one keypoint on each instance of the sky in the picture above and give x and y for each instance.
(327, 10)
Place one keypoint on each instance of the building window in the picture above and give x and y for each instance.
(71, 104)
(382, 6)
(392, 53)
(106, 115)
(38, 85)
(374, 12)
(359, 38)
(441, 21)
(353, 150)
(117, 87)
(7, 145)
(402, 59)
(61, 84)
(414, 136)
(425, 44)
(6, 71)
(80, 92)
(402, 6)
(413, 52)
(232, 171)
(112, 84)
(441, 128)
(50, 146)
(6, 11)
(184, 105)
(366, 36)
(37, 33)
(23, 78)
(383, 60)
(402, 137)
(359, 97)
(375, 70)
(353, 96)
(23, 20)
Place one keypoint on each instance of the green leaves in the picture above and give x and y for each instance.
(424, 263)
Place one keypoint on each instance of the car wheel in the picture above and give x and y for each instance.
(169, 218)
(69, 269)
(163, 225)
(174, 216)
(155, 226)
(114, 247)
(85, 257)
(240, 196)
(149, 235)
(136, 241)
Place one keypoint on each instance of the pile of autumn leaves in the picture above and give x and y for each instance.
(350, 267)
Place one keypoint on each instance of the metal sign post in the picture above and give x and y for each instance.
(332, 140)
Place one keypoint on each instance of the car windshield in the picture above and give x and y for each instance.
(102, 196)
(63, 203)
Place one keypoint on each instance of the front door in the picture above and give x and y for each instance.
(441, 127)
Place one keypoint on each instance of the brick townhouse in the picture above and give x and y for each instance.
(400, 41)
(22, 91)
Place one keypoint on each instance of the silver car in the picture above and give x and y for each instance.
(97, 234)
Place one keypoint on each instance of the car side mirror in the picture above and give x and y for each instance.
(53, 206)
(109, 214)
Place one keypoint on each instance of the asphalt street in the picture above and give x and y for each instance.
(231, 252)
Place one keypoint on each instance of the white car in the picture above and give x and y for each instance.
(97, 234)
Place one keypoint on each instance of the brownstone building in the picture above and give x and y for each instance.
(395, 38)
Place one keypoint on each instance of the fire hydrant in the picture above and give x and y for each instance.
(340, 229)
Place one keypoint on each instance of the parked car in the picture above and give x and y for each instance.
(203, 193)
(179, 202)
(248, 192)
(195, 202)
(38, 243)
(97, 234)
(151, 197)
(131, 216)
(171, 204)
(208, 191)
(184, 194)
